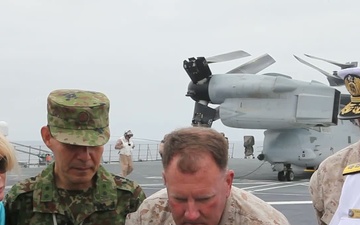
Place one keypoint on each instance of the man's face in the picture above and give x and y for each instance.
(75, 165)
(198, 198)
(127, 137)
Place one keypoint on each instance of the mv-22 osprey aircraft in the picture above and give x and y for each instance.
(300, 117)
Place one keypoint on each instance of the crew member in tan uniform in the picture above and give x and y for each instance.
(348, 211)
(199, 186)
(327, 182)
(125, 146)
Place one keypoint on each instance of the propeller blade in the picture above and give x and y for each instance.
(204, 116)
(332, 79)
(227, 56)
(341, 65)
(335, 81)
(255, 65)
(217, 114)
(314, 67)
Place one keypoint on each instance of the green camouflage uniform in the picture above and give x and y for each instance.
(75, 117)
(37, 201)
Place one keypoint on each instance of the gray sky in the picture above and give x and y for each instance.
(133, 52)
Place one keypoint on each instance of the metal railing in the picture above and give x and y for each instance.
(33, 156)
(141, 152)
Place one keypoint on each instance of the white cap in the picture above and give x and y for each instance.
(343, 73)
(128, 133)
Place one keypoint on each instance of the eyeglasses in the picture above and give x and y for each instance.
(3, 165)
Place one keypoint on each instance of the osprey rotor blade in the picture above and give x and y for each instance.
(198, 68)
(341, 65)
(204, 115)
(333, 79)
(255, 65)
(314, 67)
(227, 56)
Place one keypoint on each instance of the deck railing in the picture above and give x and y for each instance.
(34, 155)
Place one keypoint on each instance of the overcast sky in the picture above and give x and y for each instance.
(133, 52)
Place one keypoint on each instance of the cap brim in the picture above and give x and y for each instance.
(81, 137)
(350, 111)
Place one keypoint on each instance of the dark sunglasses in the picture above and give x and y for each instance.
(3, 165)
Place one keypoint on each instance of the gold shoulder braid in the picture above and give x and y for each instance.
(351, 169)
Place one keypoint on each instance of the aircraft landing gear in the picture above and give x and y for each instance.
(290, 175)
(287, 174)
(281, 176)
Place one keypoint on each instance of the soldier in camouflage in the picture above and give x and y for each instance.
(199, 186)
(327, 181)
(75, 189)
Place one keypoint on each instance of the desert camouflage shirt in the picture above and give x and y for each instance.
(37, 201)
(326, 183)
(241, 208)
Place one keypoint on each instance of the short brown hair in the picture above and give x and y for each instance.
(190, 144)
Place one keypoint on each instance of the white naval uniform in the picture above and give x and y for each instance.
(348, 211)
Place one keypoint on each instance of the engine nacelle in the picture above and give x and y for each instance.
(303, 111)
(273, 102)
(299, 111)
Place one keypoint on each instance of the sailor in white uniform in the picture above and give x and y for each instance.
(348, 211)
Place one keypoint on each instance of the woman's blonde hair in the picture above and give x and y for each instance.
(7, 151)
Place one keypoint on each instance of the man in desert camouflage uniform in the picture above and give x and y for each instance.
(199, 186)
(327, 182)
(348, 210)
(75, 189)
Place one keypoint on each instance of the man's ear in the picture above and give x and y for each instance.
(229, 180)
(46, 135)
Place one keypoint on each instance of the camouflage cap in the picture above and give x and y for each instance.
(79, 117)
